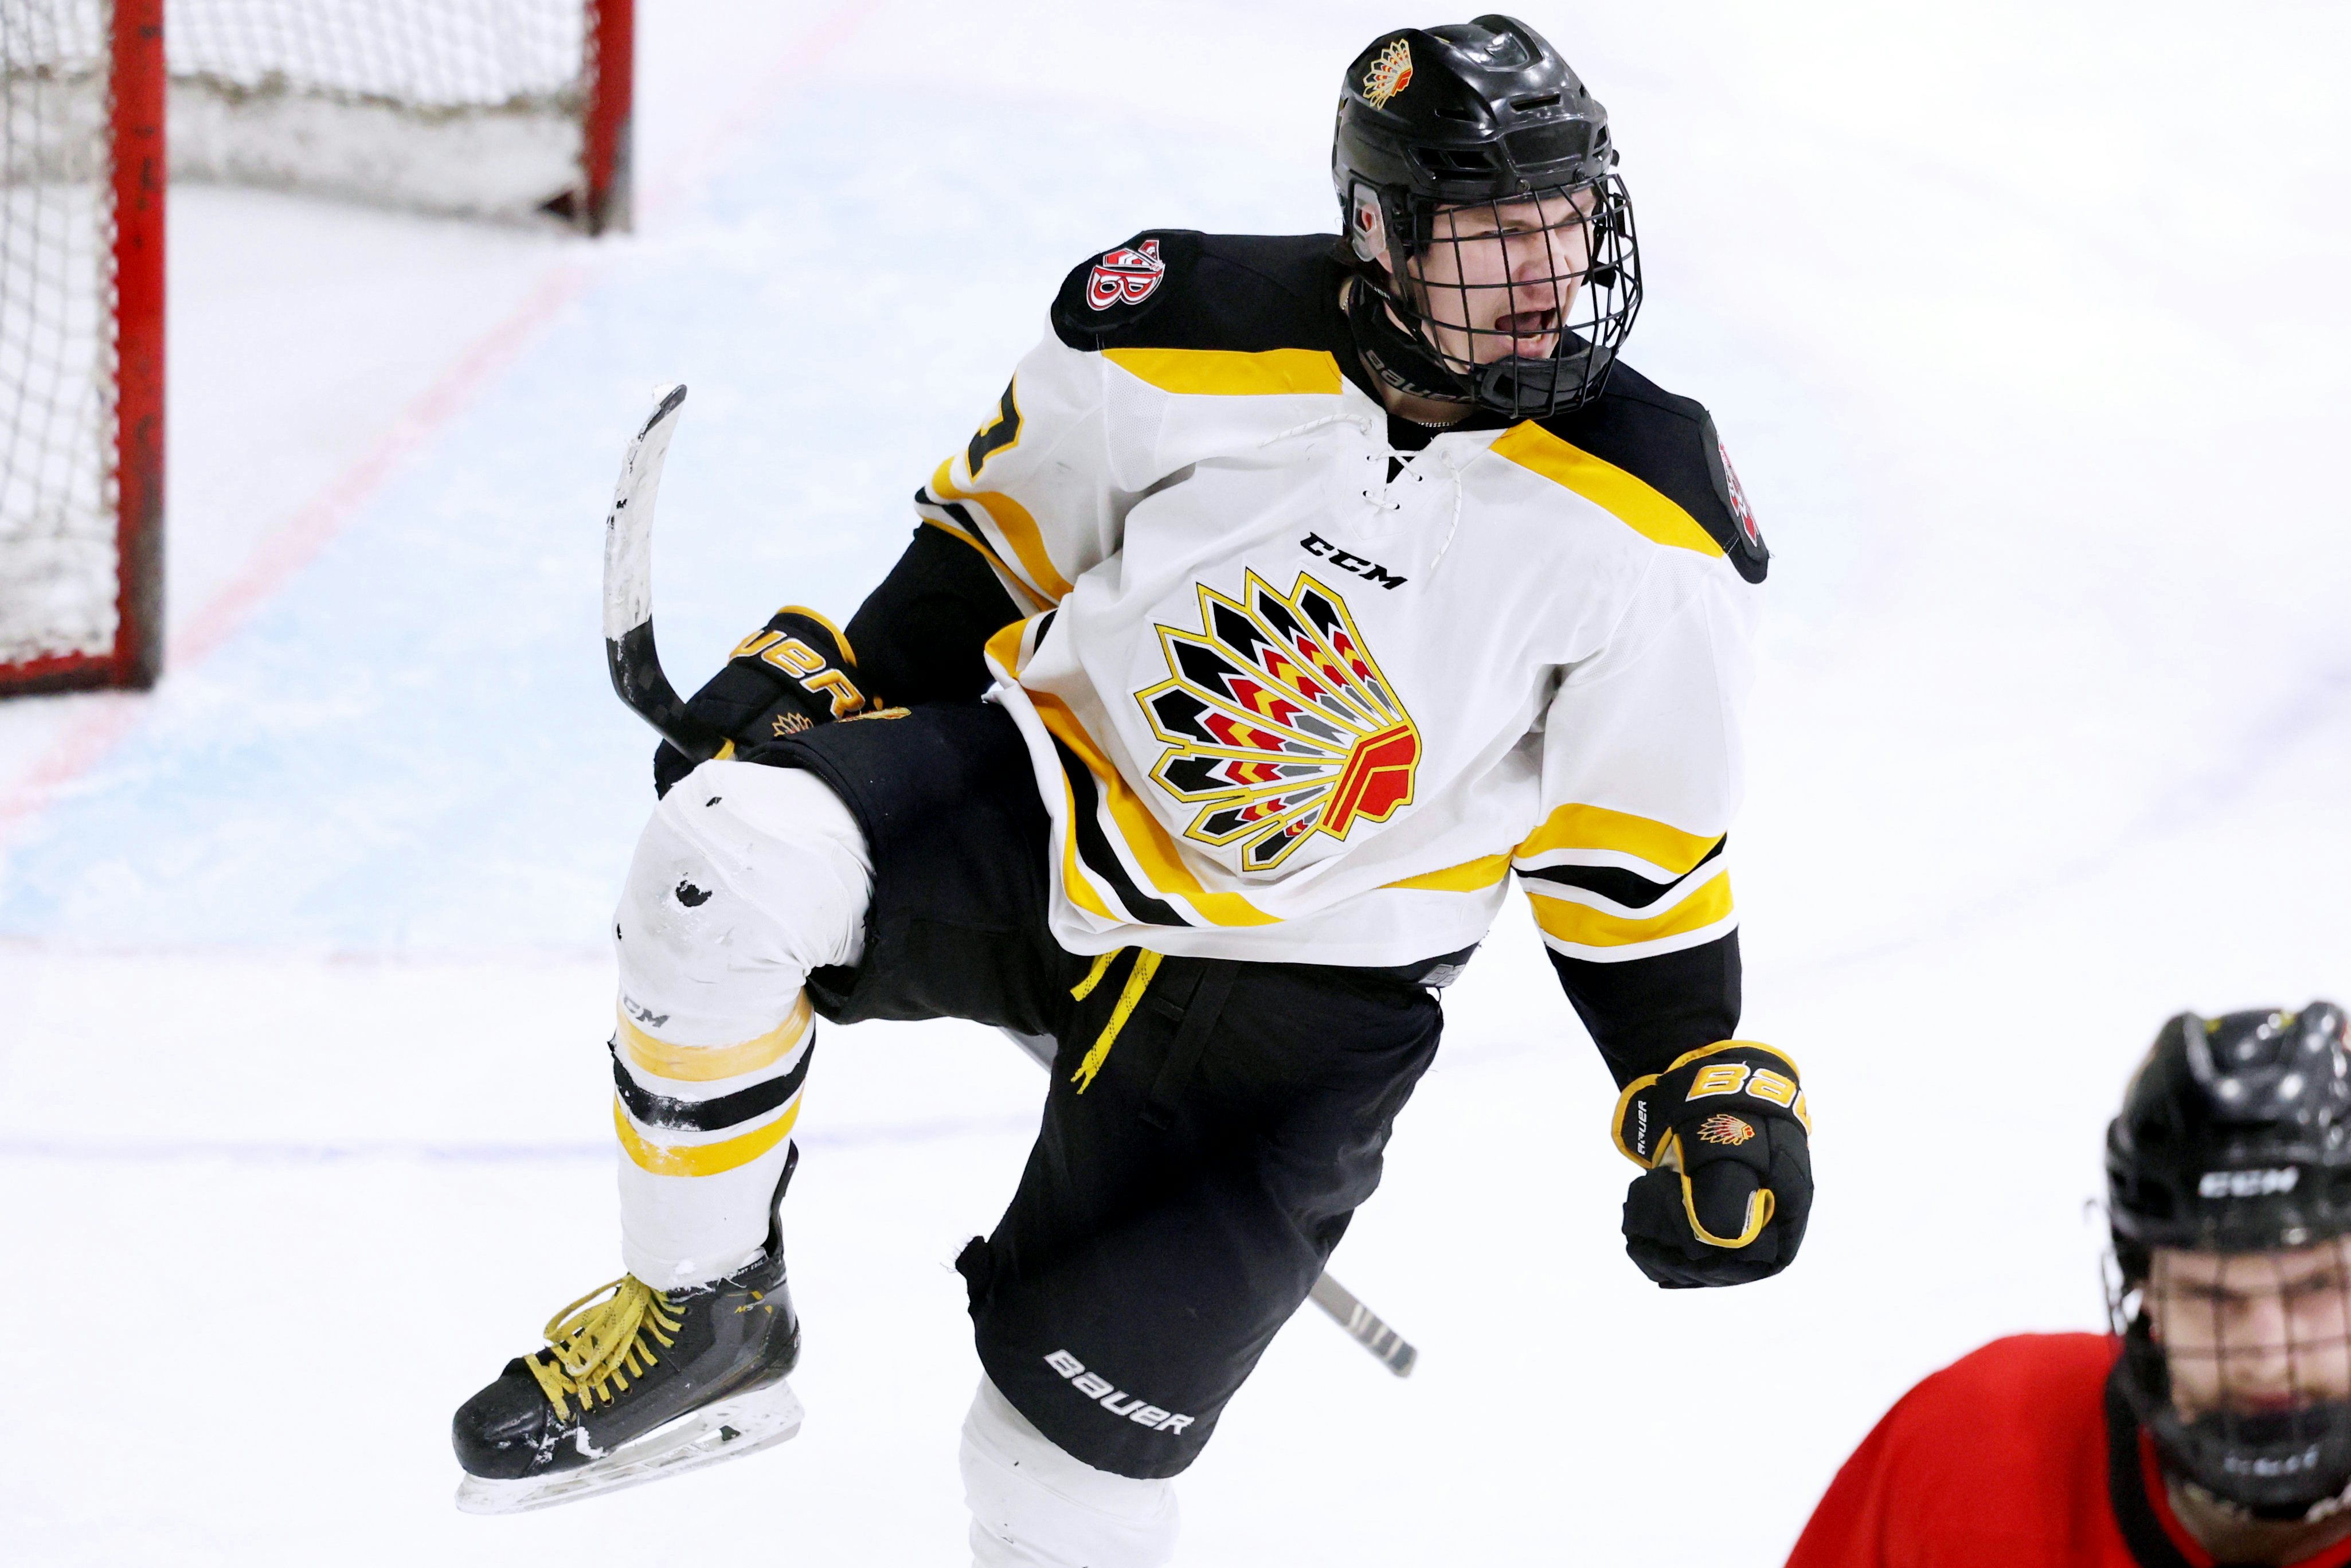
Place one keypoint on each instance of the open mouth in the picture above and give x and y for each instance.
(1531, 332)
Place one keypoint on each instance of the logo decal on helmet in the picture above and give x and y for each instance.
(1126, 276)
(1390, 74)
(1279, 722)
(1724, 1128)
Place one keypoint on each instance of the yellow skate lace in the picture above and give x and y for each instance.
(598, 1342)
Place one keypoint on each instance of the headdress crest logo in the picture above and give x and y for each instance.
(1725, 1128)
(1279, 722)
(1391, 73)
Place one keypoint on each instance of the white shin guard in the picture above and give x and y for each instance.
(745, 878)
(1034, 1506)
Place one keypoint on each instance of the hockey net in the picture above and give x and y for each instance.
(481, 108)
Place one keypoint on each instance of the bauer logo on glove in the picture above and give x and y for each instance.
(1722, 1136)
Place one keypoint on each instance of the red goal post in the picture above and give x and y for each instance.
(490, 108)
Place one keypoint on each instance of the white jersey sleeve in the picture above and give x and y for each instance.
(1641, 774)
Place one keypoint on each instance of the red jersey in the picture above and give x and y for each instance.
(2008, 1456)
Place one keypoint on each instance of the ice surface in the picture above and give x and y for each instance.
(2024, 325)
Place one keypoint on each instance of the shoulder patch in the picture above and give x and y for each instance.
(1670, 445)
(1733, 495)
(1131, 273)
(1110, 292)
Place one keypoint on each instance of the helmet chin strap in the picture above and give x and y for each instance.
(1400, 359)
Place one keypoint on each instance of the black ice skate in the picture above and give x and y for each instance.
(634, 1385)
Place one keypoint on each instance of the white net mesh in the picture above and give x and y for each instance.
(473, 107)
(57, 403)
(460, 105)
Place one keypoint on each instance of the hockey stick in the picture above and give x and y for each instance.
(628, 652)
(635, 667)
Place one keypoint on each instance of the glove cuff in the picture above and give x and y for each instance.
(1714, 1086)
(812, 656)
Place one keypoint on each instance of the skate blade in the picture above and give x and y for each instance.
(750, 1421)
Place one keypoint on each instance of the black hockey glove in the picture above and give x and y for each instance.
(1721, 1136)
(791, 674)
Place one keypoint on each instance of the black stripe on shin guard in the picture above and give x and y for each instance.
(707, 1115)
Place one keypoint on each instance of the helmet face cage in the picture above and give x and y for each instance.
(2228, 1180)
(2240, 1365)
(1520, 301)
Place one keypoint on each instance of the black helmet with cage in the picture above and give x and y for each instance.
(2235, 1139)
(1474, 119)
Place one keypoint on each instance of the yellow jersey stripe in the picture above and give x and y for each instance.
(1575, 826)
(1469, 876)
(1224, 372)
(1589, 928)
(1632, 501)
(701, 1159)
(1144, 837)
(1011, 580)
(1019, 529)
(708, 1064)
(1004, 652)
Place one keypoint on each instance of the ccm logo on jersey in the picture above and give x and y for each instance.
(2247, 1184)
(1096, 1387)
(1346, 560)
(1126, 276)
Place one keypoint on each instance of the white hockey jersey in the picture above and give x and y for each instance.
(1294, 693)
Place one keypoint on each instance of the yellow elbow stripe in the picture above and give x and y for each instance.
(1579, 827)
(701, 1159)
(1014, 522)
(708, 1064)
(1589, 928)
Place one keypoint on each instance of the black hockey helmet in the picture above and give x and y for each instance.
(2235, 1138)
(1473, 118)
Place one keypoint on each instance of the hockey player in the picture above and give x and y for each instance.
(1295, 592)
(2214, 1424)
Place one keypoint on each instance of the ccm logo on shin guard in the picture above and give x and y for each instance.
(1097, 1388)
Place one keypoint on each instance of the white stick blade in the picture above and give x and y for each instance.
(629, 526)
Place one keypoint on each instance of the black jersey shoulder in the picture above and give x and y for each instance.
(1668, 442)
(1180, 288)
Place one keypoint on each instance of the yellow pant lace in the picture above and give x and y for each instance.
(1138, 978)
(595, 1345)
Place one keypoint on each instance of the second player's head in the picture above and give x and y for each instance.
(1476, 177)
(2229, 1177)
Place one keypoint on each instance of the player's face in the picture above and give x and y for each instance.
(1499, 278)
(2253, 1333)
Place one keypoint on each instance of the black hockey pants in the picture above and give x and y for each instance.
(1177, 1208)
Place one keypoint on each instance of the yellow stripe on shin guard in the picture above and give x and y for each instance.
(701, 1159)
(708, 1064)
